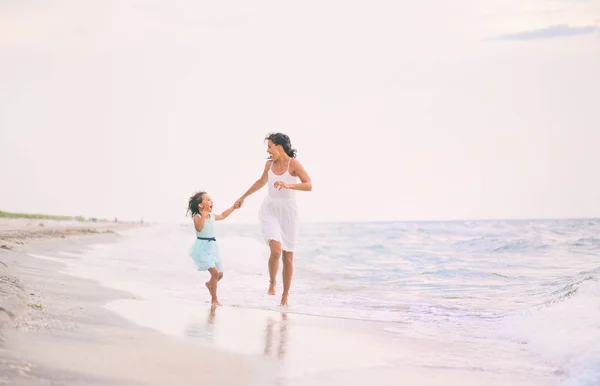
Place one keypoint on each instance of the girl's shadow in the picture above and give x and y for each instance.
(204, 331)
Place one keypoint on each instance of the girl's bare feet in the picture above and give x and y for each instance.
(271, 290)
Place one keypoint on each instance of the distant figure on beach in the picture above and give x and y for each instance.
(205, 251)
(278, 215)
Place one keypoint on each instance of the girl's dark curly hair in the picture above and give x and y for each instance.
(284, 141)
(193, 203)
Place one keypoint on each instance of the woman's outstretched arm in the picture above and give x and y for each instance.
(258, 184)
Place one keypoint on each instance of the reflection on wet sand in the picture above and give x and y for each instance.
(203, 330)
(271, 338)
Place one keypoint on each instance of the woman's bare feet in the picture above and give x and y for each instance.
(284, 300)
(271, 290)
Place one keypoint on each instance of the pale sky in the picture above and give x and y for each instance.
(424, 110)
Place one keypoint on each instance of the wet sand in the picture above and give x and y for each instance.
(56, 330)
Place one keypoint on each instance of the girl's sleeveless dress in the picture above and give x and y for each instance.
(205, 251)
(278, 214)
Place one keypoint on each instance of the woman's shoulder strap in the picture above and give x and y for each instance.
(268, 165)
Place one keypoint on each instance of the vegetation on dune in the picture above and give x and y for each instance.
(40, 216)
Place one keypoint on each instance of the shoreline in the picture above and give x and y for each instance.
(62, 318)
(56, 329)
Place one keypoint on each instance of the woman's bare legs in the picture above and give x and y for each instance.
(288, 272)
(273, 265)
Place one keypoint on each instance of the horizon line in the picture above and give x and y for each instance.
(420, 221)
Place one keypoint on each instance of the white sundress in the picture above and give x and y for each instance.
(278, 214)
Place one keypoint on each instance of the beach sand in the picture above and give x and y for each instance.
(64, 330)
(56, 331)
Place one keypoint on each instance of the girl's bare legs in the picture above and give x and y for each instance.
(208, 282)
(288, 272)
(212, 285)
(273, 265)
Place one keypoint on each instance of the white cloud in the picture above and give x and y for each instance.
(555, 31)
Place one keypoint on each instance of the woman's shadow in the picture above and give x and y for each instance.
(276, 336)
(276, 333)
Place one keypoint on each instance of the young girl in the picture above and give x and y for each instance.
(205, 251)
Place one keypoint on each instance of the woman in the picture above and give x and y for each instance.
(278, 213)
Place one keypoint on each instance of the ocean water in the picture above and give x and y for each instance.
(530, 286)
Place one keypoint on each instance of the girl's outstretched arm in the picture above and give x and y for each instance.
(225, 214)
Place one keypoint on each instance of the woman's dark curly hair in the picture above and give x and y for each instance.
(193, 203)
(284, 141)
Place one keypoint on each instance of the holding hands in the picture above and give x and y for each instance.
(278, 185)
(238, 203)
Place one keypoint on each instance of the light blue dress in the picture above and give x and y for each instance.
(205, 253)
